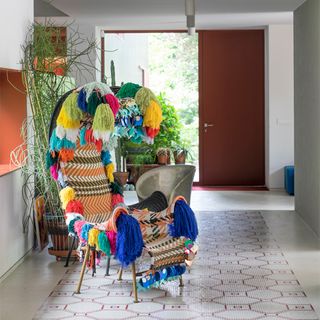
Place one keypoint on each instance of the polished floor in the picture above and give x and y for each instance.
(30, 284)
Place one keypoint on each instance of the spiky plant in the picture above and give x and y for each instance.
(46, 49)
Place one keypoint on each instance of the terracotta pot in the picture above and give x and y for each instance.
(162, 159)
(169, 157)
(179, 158)
(121, 177)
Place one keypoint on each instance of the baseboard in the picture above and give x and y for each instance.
(15, 266)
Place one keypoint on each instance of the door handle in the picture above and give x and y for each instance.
(207, 125)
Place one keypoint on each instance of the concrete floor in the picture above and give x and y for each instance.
(25, 289)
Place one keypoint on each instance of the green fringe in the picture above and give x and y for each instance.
(116, 188)
(71, 107)
(128, 90)
(50, 161)
(93, 102)
(103, 118)
(71, 225)
(104, 243)
(143, 98)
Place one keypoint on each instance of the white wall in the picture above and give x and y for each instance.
(307, 112)
(279, 103)
(129, 52)
(14, 244)
(15, 17)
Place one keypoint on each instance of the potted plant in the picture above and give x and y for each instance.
(163, 156)
(181, 152)
(44, 86)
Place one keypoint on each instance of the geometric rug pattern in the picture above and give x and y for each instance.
(240, 273)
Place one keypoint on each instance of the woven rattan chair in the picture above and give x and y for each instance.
(163, 234)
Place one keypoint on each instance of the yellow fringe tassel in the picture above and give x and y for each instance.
(109, 171)
(66, 194)
(153, 116)
(93, 238)
(66, 122)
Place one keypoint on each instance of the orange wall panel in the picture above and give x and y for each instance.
(13, 111)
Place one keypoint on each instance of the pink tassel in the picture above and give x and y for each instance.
(112, 237)
(113, 103)
(116, 198)
(54, 171)
(78, 228)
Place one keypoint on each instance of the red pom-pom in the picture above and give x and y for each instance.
(75, 206)
(89, 136)
(112, 237)
(117, 198)
(98, 144)
(113, 102)
(151, 132)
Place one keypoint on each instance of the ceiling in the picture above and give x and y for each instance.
(170, 13)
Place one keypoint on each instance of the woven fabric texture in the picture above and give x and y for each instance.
(86, 175)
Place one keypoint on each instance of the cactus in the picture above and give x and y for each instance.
(113, 74)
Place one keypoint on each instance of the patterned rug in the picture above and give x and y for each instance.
(240, 273)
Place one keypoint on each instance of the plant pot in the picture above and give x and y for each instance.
(121, 177)
(59, 235)
(168, 157)
(179, 158)
(162, 159)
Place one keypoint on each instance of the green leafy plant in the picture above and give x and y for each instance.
(170, 126)
(142, 159)
(184, 147)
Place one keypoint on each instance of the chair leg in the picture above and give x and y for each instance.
(134, 283)
(93, 265)
(70, 251)
(120, 274)
(181, 284)
(108, 267)
(84, 264)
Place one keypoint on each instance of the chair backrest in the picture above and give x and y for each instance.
(172, 180)
(86, 175)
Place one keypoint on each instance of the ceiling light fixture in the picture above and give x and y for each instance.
(190, 14)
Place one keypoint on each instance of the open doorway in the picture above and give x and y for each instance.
(167, 63)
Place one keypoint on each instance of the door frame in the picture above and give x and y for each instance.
(201, 108)
(200, 91)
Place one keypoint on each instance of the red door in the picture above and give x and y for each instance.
(231, 89)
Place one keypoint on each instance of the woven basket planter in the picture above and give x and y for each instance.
(58, 232)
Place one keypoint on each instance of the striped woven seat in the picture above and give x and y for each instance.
(86, 175)
(166, 252)
(163, 249)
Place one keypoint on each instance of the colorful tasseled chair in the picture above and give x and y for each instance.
(81, 134)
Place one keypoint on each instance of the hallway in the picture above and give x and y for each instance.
(278, 230)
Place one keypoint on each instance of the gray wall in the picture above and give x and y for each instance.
(307, 112)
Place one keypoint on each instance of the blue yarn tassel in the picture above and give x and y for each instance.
(85, 231)
(105, 157)
(82, 100)
(83, 141)
(56, 144)
(129, 239)
(184, 223)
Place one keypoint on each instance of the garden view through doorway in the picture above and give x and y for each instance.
(167, 63)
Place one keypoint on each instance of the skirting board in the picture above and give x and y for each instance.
(15, 266)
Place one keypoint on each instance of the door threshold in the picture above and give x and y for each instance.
(229, 188)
